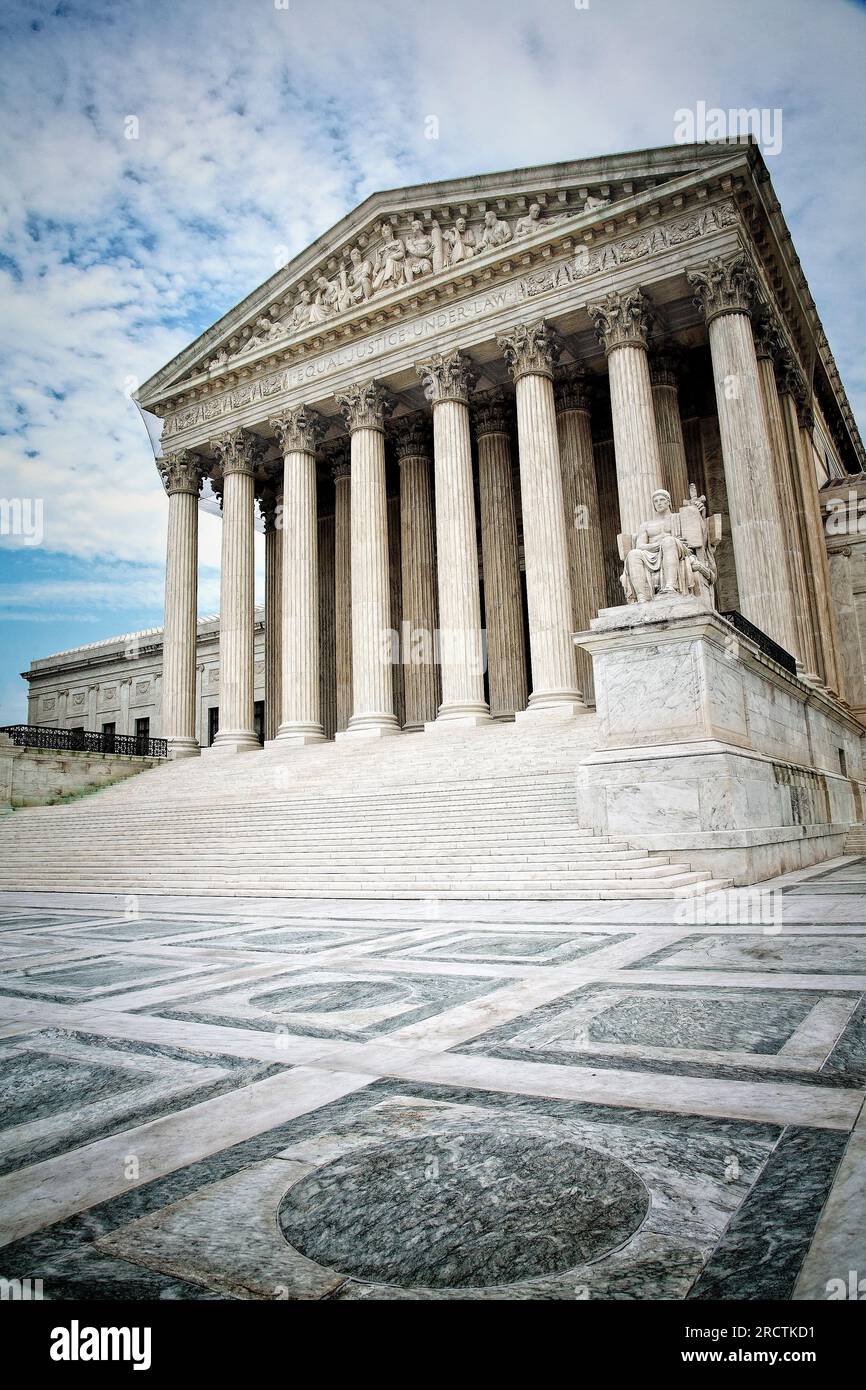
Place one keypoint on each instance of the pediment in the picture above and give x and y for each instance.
(404, 241)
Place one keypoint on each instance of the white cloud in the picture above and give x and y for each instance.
(260, 127)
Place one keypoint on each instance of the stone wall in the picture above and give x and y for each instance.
(44, 776)
(711, 751)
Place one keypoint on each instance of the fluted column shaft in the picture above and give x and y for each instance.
(726, 293)
(622, 323)
(237, 599)
(756, 530)
(796, 417)
(343, 591)
(418, 585)
(669, 428)
(803, 648)
(582, 518)
(299, 432)
(447, 380)
(372, 687)
(531, 351)
(327, 653)
(182, 480)
(503, 609)
(271, 508)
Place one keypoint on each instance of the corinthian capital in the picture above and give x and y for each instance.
(237, 451)
(530, 349)
(270, 501)
(725, 286)
(572, 390)
(411, 436)
(790, 381)
(622, 319)
(447, 376)
(298, 431)
(339, 459)
(765, 328)
(492, 412)
(181, 472)
(365, 407)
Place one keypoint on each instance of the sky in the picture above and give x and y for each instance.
(159, 160)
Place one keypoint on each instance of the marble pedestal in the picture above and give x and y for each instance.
(710, 750)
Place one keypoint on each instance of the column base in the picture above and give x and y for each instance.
(371, 726)
(298, 734)
(463, 716)
(551, 706)
(235, 741)
(183, 748)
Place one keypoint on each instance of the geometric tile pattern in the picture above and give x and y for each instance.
(445, 1101)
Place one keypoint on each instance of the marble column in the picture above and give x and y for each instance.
(341, 474)
(582, 512)
(798, 421)
(530, 352)
(181, 476)
(417, 572)
(364, 408)
(725, 291)
(236, 454)
(271, 508)
(767, 347)
(608, 501)
(622, 321)
(299, 433)
(327, 644)
(395, 589)
(447, 380)
(850, 653)
(664, 381)
(492, 415)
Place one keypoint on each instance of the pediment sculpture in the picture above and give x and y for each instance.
(673, 552)
(397, 260)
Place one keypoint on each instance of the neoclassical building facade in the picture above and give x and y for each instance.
(450, 406)
(446, 411)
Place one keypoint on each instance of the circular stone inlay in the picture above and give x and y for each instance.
(452, 1210)
(330, 996)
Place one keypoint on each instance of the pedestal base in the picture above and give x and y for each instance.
(462, 716)
(235, 741)
(371, 726)
(299, 734)
(546, 710)
(183, 748)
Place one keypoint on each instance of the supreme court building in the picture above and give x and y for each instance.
(483, 416)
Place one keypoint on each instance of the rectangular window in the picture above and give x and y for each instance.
(259, 720)
(142, 734)
(213, 723)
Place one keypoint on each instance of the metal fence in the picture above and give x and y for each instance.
(85, 741)
(762, 641)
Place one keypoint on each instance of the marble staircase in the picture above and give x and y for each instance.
(483, 813)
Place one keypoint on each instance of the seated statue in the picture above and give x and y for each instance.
(673, 552)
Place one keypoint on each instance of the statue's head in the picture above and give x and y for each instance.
(535, 211)
(490, 219)
(461, 224)
(661, 500)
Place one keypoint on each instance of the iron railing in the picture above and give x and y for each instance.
(85, 741)
(762, 641)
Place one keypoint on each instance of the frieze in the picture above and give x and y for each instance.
(583, 263)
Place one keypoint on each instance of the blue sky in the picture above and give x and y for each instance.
(259, 125)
